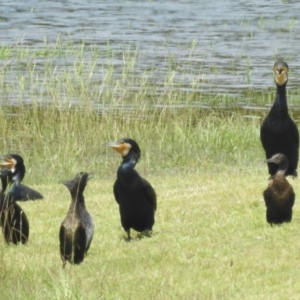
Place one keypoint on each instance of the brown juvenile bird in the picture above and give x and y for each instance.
(279, 196)
(13, 220)
(77, 229)
(134, 194)
(279, 133)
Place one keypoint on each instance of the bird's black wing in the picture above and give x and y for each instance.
(19, 225)
(267, 196)
(116, 191)
(295, 133)
(23, 193)
(65, 246)
(79, 244)
(150, 193)
(293, 196)
(263, 135)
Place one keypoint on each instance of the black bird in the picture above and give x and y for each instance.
(135, 196)
(77, 229)
(279, 196)
(15, 164)
(14, 222)
(279, 133)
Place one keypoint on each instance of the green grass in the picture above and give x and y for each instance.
(58, 143)
(210, 240)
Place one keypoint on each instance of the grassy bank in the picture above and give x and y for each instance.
(57, 143)
(210, 240)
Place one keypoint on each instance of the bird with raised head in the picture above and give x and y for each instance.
(135, 195)
(279, 133)
(279, 196)
(15, 164)
(77, 230)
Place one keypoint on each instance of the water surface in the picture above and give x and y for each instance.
(219, 46)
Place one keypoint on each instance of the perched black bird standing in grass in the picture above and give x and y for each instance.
(15, 164)
(279, 196)
(279, 133)
(77, 229)
(14, 223)
(135, 196)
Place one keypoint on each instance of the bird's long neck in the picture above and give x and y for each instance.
(282, 168)
(77, 196)
(14, 187)
(17, 175)
(77, 203)
(280, 104)
(17, 178)
(280, 173)
(126, 168)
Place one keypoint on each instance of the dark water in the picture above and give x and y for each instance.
(212, 46)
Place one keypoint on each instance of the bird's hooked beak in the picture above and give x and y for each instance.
(8, 163)
(120, 146)
(281, 73)
(271, 160)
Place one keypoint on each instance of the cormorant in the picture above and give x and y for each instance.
(279, 196)
(279, 133)
(77, 229)
(20, 192)
(135, 196)
(14, 222)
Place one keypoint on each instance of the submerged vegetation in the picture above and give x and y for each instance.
(64, 74)
(201, 152)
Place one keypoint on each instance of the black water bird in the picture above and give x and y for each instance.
(15, 164)
(279, 133)
(14, 222)
(279, 196)
(77, 229)
(135, 196)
